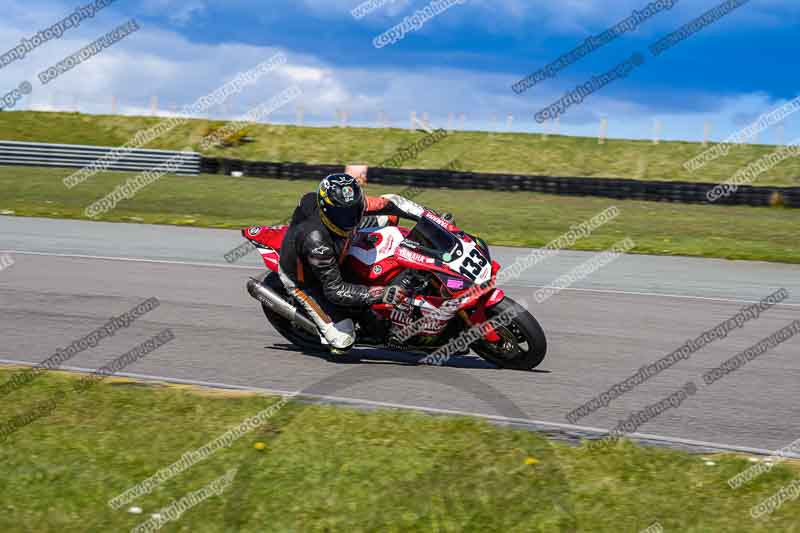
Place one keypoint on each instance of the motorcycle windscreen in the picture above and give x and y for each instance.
(464, 258)
(433, 240)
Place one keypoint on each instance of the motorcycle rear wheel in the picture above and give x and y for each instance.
(297, 336)
(523, 344)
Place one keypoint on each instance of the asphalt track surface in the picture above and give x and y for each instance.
(69, 277)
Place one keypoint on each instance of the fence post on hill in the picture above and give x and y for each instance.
(422, 123)
(706, 132)
(601, 139)
(656, 131)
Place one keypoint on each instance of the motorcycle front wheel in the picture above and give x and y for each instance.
(522, 344)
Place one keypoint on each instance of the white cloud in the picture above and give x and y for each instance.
(179, 12)
(334, 8)
(158, 62)
(566, 17)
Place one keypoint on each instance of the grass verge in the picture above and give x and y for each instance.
(334, 469)
(503, 218)
(515, 153)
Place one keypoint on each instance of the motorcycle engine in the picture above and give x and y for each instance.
(423, 323)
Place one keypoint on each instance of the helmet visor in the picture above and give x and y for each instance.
(345, 219)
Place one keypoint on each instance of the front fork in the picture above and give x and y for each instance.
(479, 317)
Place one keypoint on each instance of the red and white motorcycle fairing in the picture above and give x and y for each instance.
(376, 256)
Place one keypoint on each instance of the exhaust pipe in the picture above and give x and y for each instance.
(280, 306)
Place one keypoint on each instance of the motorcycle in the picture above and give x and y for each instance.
(449, 278)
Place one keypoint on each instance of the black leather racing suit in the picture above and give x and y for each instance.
(309, 266)
(310, 254)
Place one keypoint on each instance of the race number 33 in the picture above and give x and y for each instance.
(473, 265)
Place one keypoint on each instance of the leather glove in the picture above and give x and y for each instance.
(392, 295)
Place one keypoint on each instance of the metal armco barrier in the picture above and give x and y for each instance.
(623, 189)
(78, 156)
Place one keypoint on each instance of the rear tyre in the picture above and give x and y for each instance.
(297, 336)
(522, 345)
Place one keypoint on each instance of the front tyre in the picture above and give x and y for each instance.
(522, 344)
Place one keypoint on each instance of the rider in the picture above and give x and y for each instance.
(317, 242)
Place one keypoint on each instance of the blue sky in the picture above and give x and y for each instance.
(462, 61)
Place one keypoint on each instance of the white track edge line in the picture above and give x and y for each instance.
(683, 296)
(243, 267)
(452, 412)
(132, 259)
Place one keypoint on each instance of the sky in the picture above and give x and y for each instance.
(463, 60)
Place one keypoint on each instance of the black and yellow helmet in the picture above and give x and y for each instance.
(341, 203)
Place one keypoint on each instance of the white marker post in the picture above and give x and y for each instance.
(603, 131)
(421, 123)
